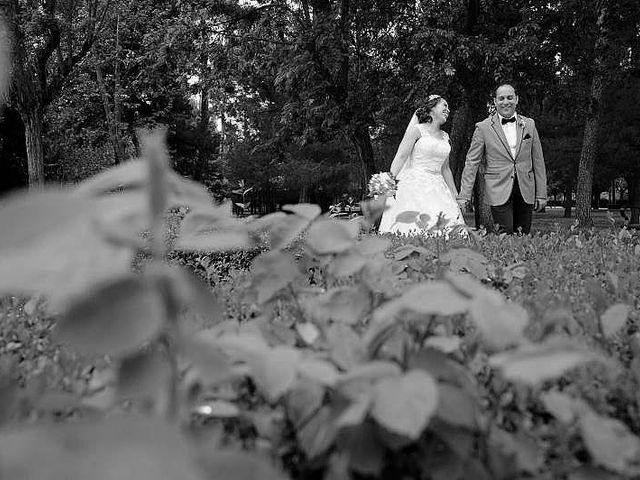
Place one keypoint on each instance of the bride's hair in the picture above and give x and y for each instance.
(423, 111)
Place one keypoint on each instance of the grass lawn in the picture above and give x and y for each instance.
(555, 216)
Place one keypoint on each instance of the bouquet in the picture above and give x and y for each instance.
(382, 184)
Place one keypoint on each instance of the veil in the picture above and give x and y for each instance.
(414, 121)
(405, 138)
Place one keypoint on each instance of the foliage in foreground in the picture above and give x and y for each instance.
(351, 356)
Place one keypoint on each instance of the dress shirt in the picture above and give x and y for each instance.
(511, 132)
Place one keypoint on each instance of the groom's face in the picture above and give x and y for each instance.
(506, 101)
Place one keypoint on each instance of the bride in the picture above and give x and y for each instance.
(425, 188)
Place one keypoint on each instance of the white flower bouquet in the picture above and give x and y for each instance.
(382, 184)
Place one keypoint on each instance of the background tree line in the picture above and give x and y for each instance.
(302, 100)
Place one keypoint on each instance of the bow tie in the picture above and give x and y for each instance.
(509, 120)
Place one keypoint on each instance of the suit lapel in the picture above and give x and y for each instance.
(520, 134)
(495, 124)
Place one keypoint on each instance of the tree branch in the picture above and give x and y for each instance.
(254, 38)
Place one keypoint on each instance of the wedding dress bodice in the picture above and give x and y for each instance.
(428, 155)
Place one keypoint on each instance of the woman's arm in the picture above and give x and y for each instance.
(448, 177)
(411, 135)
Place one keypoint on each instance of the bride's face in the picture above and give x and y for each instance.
(440, 112)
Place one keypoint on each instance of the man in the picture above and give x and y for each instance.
(515, 176)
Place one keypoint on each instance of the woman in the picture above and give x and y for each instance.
(425, 182)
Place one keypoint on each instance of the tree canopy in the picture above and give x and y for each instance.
(299, 94)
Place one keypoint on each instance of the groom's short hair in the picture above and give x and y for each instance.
(505, 84)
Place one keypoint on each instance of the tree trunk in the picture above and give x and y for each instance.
(461, 131)
(5, 59)
(634, 198)
(117, 102)
(361, 140)
(33, 131)
(303, 196)
(568, 192)
(112, 125)
(204, 110)
(585, 169)
(591, 129)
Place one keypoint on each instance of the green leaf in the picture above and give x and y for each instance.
(405, 404)
(522, 448)
(517, 270)
(62, 260)
(308, 332)
(535, 363)
(373, 209)
(128, 175)
(318, 370)
(190, 292)
(235, 465)
(282, 228)
(303, 400)
(153, 147)
(466, 260)
(466, 284)
(343, 304)
(371, 371)
(338, 467)
(238, 346)
(357, 410)
(133, 176)
(443, 369)
(272, 272)
(565, 408)
(460, 441)
(116, 318)
(274, 370)
(28, 216)
(430, 298)
(307, 210)
(345, 346)
(457, 407)
(366, 453)
(328, 236)
(369, 246)
(211, 231)
(614, 318)
(122, 447)
(346, 264)
(444, 344)
(611, 444)
(378, 275)
(461, 255)
(9, 400)
(318, 435)
(407, 251)
(501, 323)
(143, 375)
(586, 472)
(212, 364)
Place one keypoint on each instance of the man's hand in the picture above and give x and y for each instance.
(540, 204)
(462, 203)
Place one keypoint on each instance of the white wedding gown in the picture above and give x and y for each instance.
(421, 188)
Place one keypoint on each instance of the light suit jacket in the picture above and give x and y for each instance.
(490, 144)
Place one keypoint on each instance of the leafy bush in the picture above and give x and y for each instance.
(214, 267)
(336, 355)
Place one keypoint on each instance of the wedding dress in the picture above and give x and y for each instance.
(421, 188)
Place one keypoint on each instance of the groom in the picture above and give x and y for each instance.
(515, 177)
